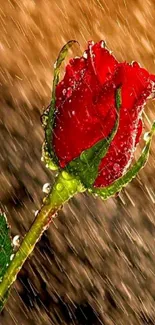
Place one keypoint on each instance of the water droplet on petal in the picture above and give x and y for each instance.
(102, 44)
(116, 167)
(64, 92)
(69, 92)
(135, 64)
(46, 188)
(85, 55)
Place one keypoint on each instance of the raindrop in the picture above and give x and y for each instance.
(46, 188)
(12, 256)
(85, 55)
(44, 119)
(15, 240)
(69, 92)
(36, 212)
(116, 167)
(102, 44)
(64, 92)
(135, 64)
(66, 176)
(55, 64)
(55, 215)
(146, 136)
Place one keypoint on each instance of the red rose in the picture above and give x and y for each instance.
(85, 112)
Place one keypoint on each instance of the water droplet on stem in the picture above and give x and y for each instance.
(46, 188)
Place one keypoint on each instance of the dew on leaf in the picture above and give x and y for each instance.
(116, 167)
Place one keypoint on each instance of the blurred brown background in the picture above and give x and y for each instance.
(96, 263)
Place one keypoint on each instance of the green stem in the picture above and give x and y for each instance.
(64, 188)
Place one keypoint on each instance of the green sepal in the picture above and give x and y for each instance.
(48, 155)
(86, 165)
(118, 98)
(6, 247)
(117, 186)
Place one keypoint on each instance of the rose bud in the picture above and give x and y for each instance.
(94, 121)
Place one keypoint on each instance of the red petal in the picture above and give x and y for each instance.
(74, 71)
(82, 106)
(103, 63)
(136, 88)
